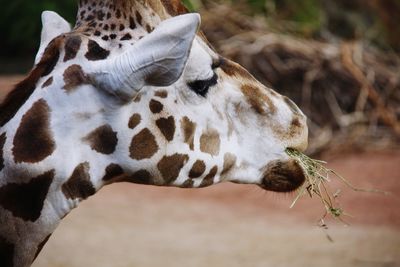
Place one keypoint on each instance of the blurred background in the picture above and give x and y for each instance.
(339, 60)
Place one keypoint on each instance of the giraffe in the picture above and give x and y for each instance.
(133, 93)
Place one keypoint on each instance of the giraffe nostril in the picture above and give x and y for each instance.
(293, 107)
(298, 132)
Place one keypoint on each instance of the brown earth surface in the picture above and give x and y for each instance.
(234, 225)
(127, 225)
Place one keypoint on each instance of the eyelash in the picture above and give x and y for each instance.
(201, 87)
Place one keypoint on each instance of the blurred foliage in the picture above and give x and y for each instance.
(332, 20)
(306, 13)
(20, 24)
(373, 20)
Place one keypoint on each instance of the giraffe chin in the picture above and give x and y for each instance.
(282, 176)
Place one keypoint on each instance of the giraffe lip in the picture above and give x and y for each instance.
(282, 176)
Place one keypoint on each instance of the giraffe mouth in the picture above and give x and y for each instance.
(282, 176)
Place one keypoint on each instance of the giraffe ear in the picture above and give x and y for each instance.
(158, 59)
(53, 26)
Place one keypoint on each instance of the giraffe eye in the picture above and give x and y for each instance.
(201, 87)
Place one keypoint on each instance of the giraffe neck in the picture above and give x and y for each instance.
(112, 16)
(32, 204)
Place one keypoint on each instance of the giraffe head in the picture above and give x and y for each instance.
(135, 93)
(199, 118)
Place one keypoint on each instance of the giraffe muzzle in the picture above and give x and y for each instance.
(282, 176)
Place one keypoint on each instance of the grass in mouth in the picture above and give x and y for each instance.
(317, 175)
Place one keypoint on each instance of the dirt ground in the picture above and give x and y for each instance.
(127, 225)
(233, 225)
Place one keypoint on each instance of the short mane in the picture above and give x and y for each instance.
(24, 89)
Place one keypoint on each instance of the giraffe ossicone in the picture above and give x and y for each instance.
(53, 26)
(133, 93)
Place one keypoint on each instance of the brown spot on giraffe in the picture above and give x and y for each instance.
(257, 99)
(2, 142)
(100, 15)
(149, 29)
(18, 96)
(161, 93)
(132, 23)
(103, 139)
(96, 52)
(229, 162)
(118, 13)
(167, 127)
(170, 166)
(126, 37)
(72, 45)
(197, 169)
(138, 17)
(134, 120)
(41, 245)
(112, 171)
(33, 140)
(174, 7)
(143, 145)
(233, 69)
(155, 106)
(73, 77)
(79, 185)
(188, 129)
(188, 183)
(210, 142)
(209, 179)
(48, 82)
(139, 177)
(26, 200)
(294, 129)
(6, 253)
(295, 122)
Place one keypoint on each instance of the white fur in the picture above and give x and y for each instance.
(53, 26)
